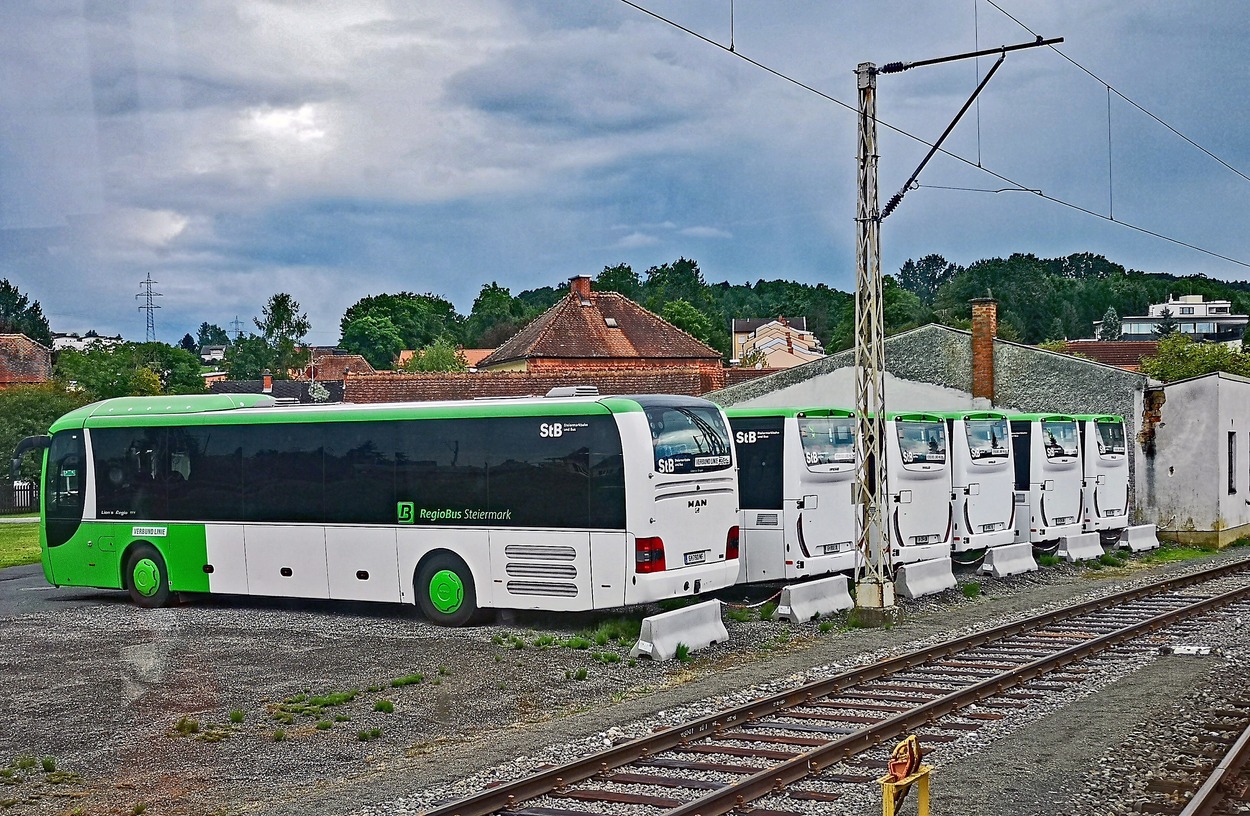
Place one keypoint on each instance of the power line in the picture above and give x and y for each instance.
(145, 292)
(1112, 89)
(976, 165)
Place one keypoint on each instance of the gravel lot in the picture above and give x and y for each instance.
(101, 687)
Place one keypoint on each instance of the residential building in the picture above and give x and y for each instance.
(1126, 354)
(23, 361)
(590, 330)
(1200, 319)
(82, 342)
(780, 342)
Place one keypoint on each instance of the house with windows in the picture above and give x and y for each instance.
(781, 342)
(1210, 320)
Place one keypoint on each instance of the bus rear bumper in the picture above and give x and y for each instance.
(680, 583)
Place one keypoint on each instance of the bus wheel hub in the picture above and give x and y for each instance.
(446, 591)
(146, 577)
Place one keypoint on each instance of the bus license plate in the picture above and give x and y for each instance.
(696, 557)
(992, 528)
(924, 539)
(831, 548)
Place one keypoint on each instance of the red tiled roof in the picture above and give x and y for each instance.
(23, 361)
(570, 330)
(1122, 353)
(335, 366)
(405, 387)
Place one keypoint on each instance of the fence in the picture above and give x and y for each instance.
(18, 497)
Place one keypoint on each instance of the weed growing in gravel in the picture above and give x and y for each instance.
(374, 688)
(783, 638)
(669, 604)
(443, 671)
(632, 662)
(1241, 542)
(767, 610)
(368, 734)
(213, 733)
(139, 808)
(407, 680)
(576, 642)
(185, 727)
(606, 657)
(7, 803)
(1094, 565)
(580, 674)
(621, 629)
(545, 641)
(342, 718)
(1048, 560)
(236, 716)
(741, 614)
(24, 763)
(1110, 560)
(1170, 554)
(385, 706)
(971, 589)
(826, 626)
(324, 725)
(279, 735)
(682, 652)
(49, 764)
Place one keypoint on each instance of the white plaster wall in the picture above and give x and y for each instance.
(837, 389)
(1233, 416)
(1180, 485)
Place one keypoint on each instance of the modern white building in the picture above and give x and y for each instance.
(82, 342)
(1200, 319)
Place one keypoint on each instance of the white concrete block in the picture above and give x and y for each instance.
(802, 602)
(697, 627)
(921, 578)
(1013, 559)
(1140, 538)
(1081, 547)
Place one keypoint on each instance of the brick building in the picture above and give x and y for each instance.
(23, 361)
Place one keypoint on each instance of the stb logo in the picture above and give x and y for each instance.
(406, 512)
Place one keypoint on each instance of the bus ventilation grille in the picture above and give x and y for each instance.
(522, 570)
(540, 552)
(536, 588)
(766, 520)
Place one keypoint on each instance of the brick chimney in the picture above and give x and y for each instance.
(581, 285)
(266, 382)
(984, 330)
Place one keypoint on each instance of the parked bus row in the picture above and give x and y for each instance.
(560, 503)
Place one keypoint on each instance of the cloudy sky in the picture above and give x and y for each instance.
(335, 150)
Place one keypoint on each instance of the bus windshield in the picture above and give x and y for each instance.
(688, 438)
(988, 438)
(827, 440)
(921, 442)
(1110, 438)
(1059, 438)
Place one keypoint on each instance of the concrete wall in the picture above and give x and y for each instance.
(1183, 479)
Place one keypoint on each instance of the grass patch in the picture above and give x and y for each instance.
(385, 706)
(1172, 554)
(279, 736)
(49, 764)
(407, 680)
(767, 610)
(580, 674)
(185, 727)
(368, 734)
(682, 652)
(236, 716)
(1110, 560)
(19, 544)
(324, 725)
(669, 604)
(971, 589)
(545, 641)
(620, 629)
(576, 642)
(826, 626)
(606, 657)
(741, 614)
(1048, 560)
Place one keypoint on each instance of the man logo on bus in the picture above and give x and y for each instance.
(406, 512)
(697, 503)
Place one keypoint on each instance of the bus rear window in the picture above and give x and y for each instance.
(1110, 438)
(688, 438)
(827, 441)
(921, 442)
(988, 439)
(1059, 438)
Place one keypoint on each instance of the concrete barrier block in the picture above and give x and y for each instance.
(697, 626)
(1081, 547)
(924, 578)
(1140, 538)
(802, 602)
(1012, 559)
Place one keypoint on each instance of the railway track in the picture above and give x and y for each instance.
(801, 745)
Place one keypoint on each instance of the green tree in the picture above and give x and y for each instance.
(250, 357)
(210, 334)
(418, 319)
(441, 355)
(1180, 356)
(188, 344)
(283, 326)
(375, 338)
(923, 278)
(496, 317)
(129, 369)
(30, 410)
(1111, 328)
(620, 278)
(1167, 324)
(687, 318)
(18, 315)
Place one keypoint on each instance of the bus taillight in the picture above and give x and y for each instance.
(731, 543)
(649, 554)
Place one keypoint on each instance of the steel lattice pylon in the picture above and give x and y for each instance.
(148, 306)
(876, 586)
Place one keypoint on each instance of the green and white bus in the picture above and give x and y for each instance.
(538, 503)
